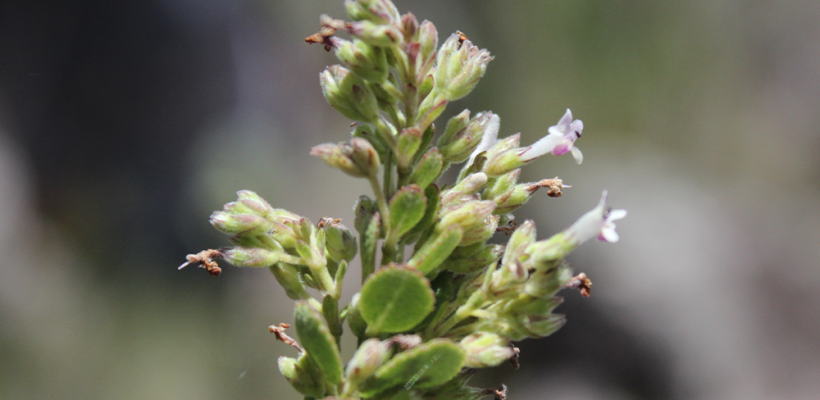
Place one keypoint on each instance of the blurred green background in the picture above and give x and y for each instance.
(124, 124)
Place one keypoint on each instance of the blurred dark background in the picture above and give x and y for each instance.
(124, 124)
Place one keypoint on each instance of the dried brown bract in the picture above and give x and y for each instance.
(205, 260)
(582, 283)
(279, 331)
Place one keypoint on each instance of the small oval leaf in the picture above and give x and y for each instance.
(395, 299)
(318, 342)
(431, 364)
(407, 209)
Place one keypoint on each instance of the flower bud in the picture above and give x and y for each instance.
(251, 257)
(502, 157)
(469, 215)
(377, 11)
(409, 142)
(460, 65)
(288, 276)
(426, 87)
(463, 142)
(366, 61)
(340, 242)
(376, 35)
(371, 354)
(409, 26)
(501, 188)
(467, 186)
(485, 349)
(467, 259)
(428, 38)
(357, 158)
(455, 125)
(335, 156)
(431, 108)
(349, 94)
(234, 224)
(364, 210)
(480, 233)
(428, 169)
(364, 131)
(355, 320)
(302, 375)
(523, 192)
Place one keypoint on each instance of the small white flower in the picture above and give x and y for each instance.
(599, 222)
(560, 140)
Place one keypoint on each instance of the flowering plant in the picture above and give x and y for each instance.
(440, 301)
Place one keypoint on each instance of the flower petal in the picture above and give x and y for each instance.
(577, 155)
(565, 121)
(608, 234)
(615, 215)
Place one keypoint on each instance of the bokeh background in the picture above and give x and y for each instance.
(124, 124)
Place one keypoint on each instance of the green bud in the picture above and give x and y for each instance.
(340, 242)
(406, 209)
(364, 60)
(426, 87)
(436, 249)
(431, 108)
(485, 349)
(251, 257)
(475, 257)
(364, 131)
(377, 11)
(460, 65)
(376, 35)
(349, 94)
(480, 233)
(369, 240)
(428, 38)
(502, 157)
(466, 187)
(235, 224)
(288, 276)
(455, 125)
(462, 141)
(409, 142)
(303, 375)
(372, 354)
(545, 282)
(468, 214)
(357, 158)
(428, 169)
(501, 188)
(364, 210)
(409, 26)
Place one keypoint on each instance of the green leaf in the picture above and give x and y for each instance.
(407, 209)
(433, 195)
(395, 299)
(369, 242)
(318, 342)
(430, 364)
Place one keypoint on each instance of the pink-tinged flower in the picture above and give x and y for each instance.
(599, 222)
(560, 140)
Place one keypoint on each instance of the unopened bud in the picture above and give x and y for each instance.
(437, 248)
(463, 142)
(340, 242)
(501, 188)
(357, 158)
(238, 223)
(366, 61)
(349, 94)
(372, 353)
(364, 210)
(469, 216)
(251, 257)
(302, 375)
(460, 65)
(467, 186)
(467, 259)
(503, 156)
(480, 233)
(288, 276)
(376, 35)
(377, 11)
(485, 349)
(428, 38)
(410, 25)
(409, 142)
(428, 169)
